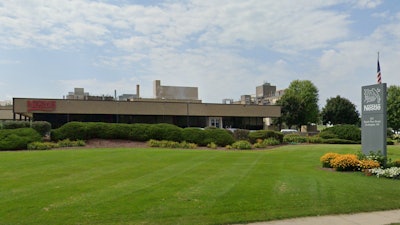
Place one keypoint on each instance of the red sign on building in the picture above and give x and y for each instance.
(41, 105)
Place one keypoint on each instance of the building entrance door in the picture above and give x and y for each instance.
(215, 122)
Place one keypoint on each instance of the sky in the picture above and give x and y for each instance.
(225, 48)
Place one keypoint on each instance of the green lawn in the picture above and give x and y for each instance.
(160, 186)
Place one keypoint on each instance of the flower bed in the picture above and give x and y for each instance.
(392, 172)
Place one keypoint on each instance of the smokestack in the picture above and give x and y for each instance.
(137, 91)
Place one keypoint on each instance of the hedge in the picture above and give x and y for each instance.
(347, 132)
(43, 127)
(194, 135)
(218, 136)
(165, 131)
(16, 139)
(265, 134)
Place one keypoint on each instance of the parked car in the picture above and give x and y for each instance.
(288, 131)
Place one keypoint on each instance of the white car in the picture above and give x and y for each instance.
(289, 131)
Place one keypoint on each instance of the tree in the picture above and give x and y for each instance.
(300, 103)
(393, 107)
(340, 110)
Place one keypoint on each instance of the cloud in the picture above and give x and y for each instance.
(7, 62)
(368, 3)
(225, 47)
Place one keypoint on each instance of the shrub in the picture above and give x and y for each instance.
(42, 127)
(314, 139)
(42, 145)
(327, 158)
(241, 134)
(164, 131)
(98, 130)
(266, 142)
(212, 145)
(188, 145)
(338, 141)
(139, 132)
(72, 131)
(294, 138)
(170, 144)
(241, 145)
(265, 134)
(135, 132)
(11, 124)
(347, 162)
(389, 141)
(19, 138)
(69, 143)
(194, 135)
(220, 137)
(395, 163)
(327, 135)
(347, 132)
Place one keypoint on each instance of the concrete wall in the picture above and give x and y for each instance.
(6, 112)
(65, 106)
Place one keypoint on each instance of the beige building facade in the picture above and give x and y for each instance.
(6, 112)
(180, 113)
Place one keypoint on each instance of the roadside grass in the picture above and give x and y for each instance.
(164, 186)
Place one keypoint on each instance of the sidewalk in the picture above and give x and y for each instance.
(369, 218)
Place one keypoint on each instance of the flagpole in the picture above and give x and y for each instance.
(378, 72)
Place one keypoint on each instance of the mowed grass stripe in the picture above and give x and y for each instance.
(160, 186)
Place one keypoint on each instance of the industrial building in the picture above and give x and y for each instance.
(171, 104)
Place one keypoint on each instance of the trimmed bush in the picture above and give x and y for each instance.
(314, 139)
(294, 138)
(16, 139)
(134, 132)
(327, 135)
(220, 137)
(72, 130)
(241, 145)
(11, 124)
(265, 134)
(42, 127)
(241, 134)
(339, 141)
(194, 135)
(347, 132)
(164, 131)
(139, 132)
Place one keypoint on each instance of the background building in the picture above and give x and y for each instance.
(174, 92)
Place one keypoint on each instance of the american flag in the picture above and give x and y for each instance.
(378, 74)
